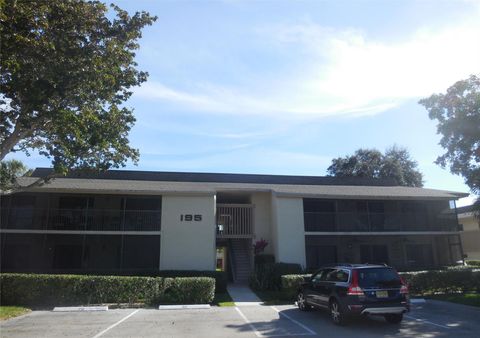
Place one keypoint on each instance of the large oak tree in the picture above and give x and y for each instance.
(67, 68)
(395, 164)
(457, 113)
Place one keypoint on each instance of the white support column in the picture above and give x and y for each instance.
(289, 231)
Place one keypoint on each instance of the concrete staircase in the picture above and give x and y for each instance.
(241, 251)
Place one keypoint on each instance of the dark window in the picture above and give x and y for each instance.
(319, 215)
(378, 277)
(319, 255)
(337, 276)
(374, 254)
(318, 276)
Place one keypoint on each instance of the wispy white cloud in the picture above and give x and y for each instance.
(347, 73)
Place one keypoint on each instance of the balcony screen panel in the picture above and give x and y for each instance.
(141, 252)
(102, 252)
(419, 255)
(67, 251)
(143, 203)
(319, 215)
(22, 252)
(377, 254)
(319, 255)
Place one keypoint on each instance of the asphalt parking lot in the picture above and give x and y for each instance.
(432, 319)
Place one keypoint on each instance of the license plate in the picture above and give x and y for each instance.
(382, 294)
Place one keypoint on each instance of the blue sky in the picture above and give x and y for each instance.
(282, 87)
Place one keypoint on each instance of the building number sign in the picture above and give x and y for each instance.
(190, 218)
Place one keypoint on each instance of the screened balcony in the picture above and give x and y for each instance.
(20, 218)
(323, 215)
(371, 222)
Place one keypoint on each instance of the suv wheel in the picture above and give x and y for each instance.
(302, 302)
(394, 318)
(336, 313)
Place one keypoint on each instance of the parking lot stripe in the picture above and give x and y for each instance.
(113, 325)
(427, 321)
(258, 334)
(294, 321)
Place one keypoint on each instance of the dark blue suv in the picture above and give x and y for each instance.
(356, 289)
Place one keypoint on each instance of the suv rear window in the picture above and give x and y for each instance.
(375, 277)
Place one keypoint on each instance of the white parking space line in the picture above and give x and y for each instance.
(113, 325)
(294, 321)
(258, 334)
(428, 322)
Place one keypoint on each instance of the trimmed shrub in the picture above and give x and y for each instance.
(443, 281)
(268, 276)
(187, 290)
(291, 284)
(473, 263)
(221, 278)
(56, 290)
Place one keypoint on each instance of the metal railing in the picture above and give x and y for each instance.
(234, 220)
(383, 222)
(80, 219)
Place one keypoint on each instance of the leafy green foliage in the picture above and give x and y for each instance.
(395, 164)
(9, 171)
(66, 71)
(458, 115)
(442, 281)
(55, 290)
(221, 278)
(268, 276)
(291, 284)
(7, 312)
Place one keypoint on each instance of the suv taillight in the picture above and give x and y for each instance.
(404, 287)
(354, 289)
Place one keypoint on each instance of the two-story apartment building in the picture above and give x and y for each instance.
(141, 222)
(470, 234)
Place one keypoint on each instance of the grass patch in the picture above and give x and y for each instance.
(273, 297)
(472, 299)
(223, 299)
(12, 311)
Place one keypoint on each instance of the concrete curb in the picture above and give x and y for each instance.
(184, 307)
(248, 303)
(80, 308)
(418, 301)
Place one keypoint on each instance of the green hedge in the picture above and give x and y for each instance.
(291, 284)
(221, 278)
(419, 283)
(443, 281)
(473, 263)
(268, 276)
(57, 290)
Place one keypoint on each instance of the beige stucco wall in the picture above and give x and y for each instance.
(187, 245)
(263, 219)
(289, 240)
(470, 237)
